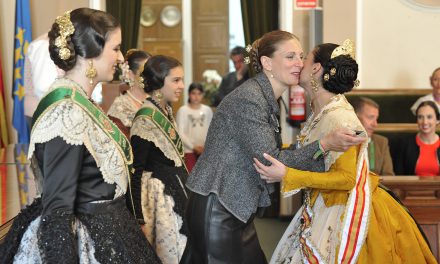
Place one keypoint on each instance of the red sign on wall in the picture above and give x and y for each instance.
(306, 4)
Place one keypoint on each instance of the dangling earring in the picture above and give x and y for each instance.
(313, 83)
(158, 94)
(91, 72)
(141, 82)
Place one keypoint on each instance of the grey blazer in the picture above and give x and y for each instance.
(244, 127)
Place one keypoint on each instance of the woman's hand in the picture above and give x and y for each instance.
(144, 229)
(341, 139)
(199, 150)
(273, 173)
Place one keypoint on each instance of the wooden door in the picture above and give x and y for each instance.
(210, 37)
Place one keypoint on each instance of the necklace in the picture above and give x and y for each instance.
(167, 112)
(134, 98)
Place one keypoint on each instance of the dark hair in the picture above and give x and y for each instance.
(267, 45)
(346, 69)
(359, 103)
(238, 50)
(134, 56)
(156, 69)
(433, 105)
(91, 32)
(195, 86)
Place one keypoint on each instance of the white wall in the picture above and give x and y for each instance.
(397, 44)
(400, 45)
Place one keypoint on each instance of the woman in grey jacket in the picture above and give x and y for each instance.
(226, 188)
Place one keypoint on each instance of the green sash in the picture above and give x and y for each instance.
(165, 126)
(65, 93)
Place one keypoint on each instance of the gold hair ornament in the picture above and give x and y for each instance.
(66, 29)
(356, 83)
(347, 48)
(247, 59)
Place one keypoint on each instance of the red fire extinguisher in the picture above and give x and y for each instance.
(297, 105)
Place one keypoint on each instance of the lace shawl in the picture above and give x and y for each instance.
(68, 120)
(337, 113)
(146, 129)
(123, 109)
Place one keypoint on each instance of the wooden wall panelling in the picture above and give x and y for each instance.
(421, 195)
(210, 37)
(161, 39)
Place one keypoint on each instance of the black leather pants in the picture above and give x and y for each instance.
(216, 236)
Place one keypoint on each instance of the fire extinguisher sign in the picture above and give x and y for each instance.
(305, 4)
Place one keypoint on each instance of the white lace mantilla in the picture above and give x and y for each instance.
(145, 128)
(68, 120)
(162, 223)
(123, 109)
(337, 113)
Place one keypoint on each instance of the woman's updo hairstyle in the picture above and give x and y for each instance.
(133, 57)
(156, 69)
(91, 29)
(344, 79)
(266, 46)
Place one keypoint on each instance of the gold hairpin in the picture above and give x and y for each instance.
(347, 48)
(66, 29)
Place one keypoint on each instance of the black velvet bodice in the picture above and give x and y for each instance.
(70, 176)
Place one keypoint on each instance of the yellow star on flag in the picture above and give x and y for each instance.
(17, 73)
(20, 35)
(21, 177)
(22, 159)
(17, 56)
(20, 92)
(25, 47)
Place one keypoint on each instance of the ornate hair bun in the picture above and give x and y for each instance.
(347, 48)
(66, 29)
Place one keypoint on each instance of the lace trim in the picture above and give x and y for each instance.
(162, 223)
(316, 128)
(123, 109)
(146, 129)
(69, 121)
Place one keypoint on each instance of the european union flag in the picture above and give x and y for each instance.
(23, 36)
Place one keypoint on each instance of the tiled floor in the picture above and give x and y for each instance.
(269, 232)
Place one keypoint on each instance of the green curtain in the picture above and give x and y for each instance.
(259, 17)
(128, 13)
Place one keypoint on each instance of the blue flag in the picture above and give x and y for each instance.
(23, 36)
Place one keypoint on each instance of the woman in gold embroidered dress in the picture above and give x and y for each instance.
(346, 217)
(80, 158)
(125, 106)
(159, 195)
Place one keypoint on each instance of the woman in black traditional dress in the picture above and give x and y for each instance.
(158, 191)
(80, 157)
